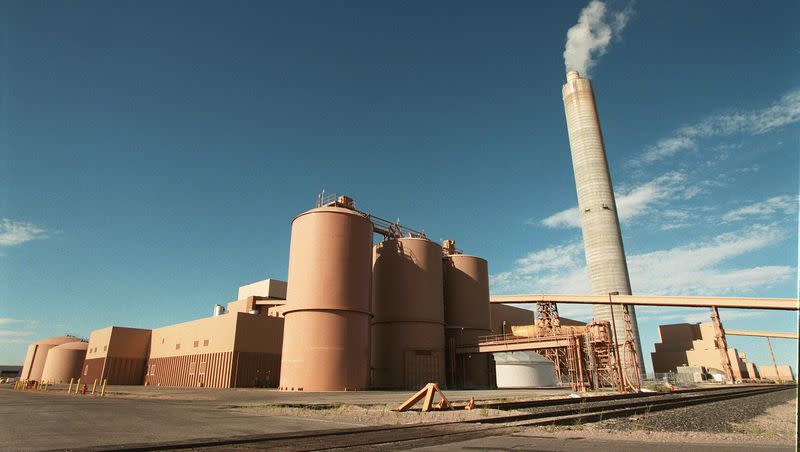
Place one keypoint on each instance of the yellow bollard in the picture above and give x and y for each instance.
(103, 391)
(94, 385)
(71, 380)
(45, 386)
(77, 385)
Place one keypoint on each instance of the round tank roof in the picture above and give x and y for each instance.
(341, 210)
(57, 340)
(72, 346)
(466, 255)
(409, 238)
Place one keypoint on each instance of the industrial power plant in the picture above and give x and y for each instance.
(404, 312)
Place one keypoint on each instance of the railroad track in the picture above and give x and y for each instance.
(541, 412)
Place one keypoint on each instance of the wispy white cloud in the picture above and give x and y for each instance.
(634, 202)
(764, 209)
(782, 112)
(568, 218)
(18, 232)
(15, 333)
(698, 268)
(589, 39)
(666, 147)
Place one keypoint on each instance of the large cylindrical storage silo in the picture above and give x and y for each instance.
(36, 357)
(64, 362)
(326, 343)
(408, 307)
(466, 316)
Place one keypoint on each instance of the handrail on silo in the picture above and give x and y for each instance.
(384, 227)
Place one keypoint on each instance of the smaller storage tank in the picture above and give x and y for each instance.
(524, 369)
(599, 332)
(64, 362)
(37, 355)
(408, 326)
(467, 318)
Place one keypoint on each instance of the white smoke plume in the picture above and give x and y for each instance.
(589, 38)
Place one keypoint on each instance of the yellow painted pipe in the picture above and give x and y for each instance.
(94, 385)
(103, 391)
(77, 385)
(71, 380)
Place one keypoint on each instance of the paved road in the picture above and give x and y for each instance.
(35, 421)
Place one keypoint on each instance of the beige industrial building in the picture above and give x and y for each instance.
(784, 372)
(355, 315)
(117, 354)
(224, 351)
(237, 348)
(693, 345)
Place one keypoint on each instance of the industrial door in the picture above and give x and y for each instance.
(423, 367)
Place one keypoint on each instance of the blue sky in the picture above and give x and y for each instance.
(153, 155)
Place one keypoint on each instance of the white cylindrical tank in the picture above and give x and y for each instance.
(524, 369)
(602, 238)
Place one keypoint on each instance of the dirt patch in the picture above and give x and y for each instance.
(778, 423)
(371, 414)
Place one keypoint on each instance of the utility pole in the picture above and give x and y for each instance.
(777, 375)
(616, 343)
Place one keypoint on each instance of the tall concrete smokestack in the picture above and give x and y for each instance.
(602, 239)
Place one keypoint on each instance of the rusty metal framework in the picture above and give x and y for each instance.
(600, 353)
(633, 379)
(547, 320)
(786, 304)
(722, 344)
(582, 356)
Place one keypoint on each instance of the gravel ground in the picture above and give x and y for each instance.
(767, 420)
(714, 417)
(383, 414)
(373, 415)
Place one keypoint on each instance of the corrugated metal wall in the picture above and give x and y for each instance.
(257, 369)
(216, 370)
(92, 369)
(212, 370)
(124, 371)
(118, 371)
